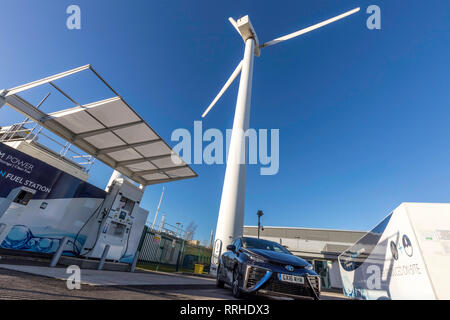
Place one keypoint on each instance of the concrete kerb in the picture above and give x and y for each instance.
(155, 280)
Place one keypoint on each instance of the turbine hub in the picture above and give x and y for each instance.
(247, 32)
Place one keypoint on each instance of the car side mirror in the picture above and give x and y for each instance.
(231, 248)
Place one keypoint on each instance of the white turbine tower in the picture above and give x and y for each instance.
(231, 213)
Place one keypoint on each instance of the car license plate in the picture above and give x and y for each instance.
(291, 278)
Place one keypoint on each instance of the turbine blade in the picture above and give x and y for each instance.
(311, 28)
(225, 87)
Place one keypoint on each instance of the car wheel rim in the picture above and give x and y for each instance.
(235, 282)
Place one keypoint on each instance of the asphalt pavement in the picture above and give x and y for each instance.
(31, 282)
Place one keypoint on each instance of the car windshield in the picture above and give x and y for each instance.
(253, 243)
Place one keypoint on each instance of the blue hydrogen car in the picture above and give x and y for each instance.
(252, 265)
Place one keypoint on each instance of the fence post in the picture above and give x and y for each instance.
(162, 251)
(180, 254)
(135, 260)
(59, 252)
(142, 239)
(102, 260)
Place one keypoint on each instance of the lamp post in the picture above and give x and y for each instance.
(178, 229)
(260, 214)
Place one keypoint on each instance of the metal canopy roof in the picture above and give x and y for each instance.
(111, 131)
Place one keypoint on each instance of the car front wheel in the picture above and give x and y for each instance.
(237, 293)
(219, 283)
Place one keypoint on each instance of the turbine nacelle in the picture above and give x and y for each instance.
(246, 30)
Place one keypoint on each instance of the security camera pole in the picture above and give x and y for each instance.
(260, 214)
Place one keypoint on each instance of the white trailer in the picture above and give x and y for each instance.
(406, 256)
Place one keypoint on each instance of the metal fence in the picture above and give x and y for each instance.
(165, 251)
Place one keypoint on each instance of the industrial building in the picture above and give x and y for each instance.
(320, 247)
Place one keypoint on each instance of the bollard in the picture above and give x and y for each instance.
(59, 252)
(102, 260)
(4, 230)
(135, 260)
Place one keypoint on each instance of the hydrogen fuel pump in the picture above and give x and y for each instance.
(115, 220)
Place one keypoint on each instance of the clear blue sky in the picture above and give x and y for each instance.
(363, 115)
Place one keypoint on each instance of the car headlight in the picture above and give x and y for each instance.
(309, 267)
(256, 259)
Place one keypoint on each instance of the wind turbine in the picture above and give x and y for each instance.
(231, 213)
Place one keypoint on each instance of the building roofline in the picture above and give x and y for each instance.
(301, 228)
